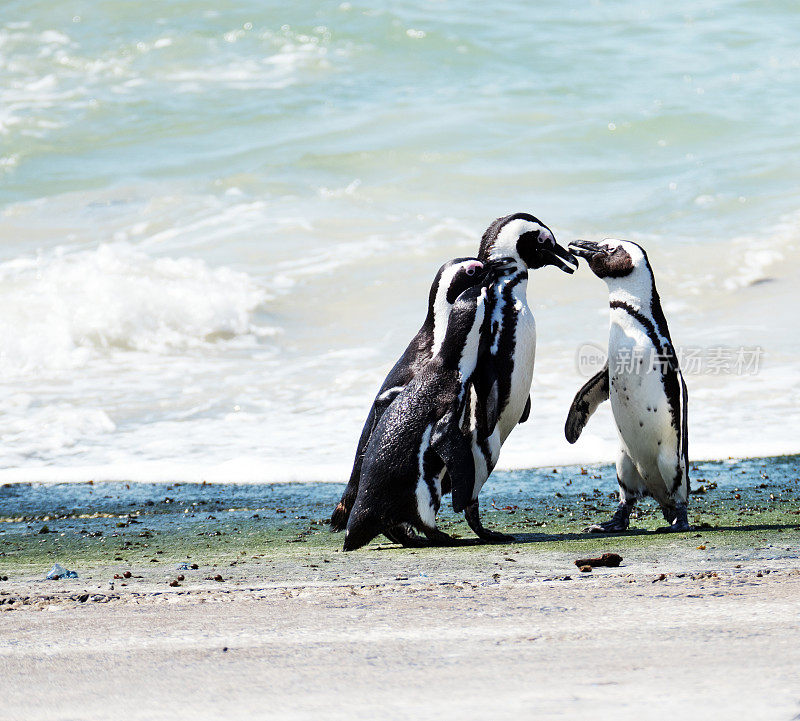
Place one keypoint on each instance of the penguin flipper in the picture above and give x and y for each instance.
(487, 388)
(591, 395)
(455, 449)
(526, 413)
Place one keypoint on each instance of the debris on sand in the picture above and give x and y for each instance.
(58, 571)
(586, 569)
(607, 559)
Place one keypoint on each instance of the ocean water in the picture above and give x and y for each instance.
(218, 225)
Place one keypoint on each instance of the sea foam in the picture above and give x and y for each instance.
(61, 309)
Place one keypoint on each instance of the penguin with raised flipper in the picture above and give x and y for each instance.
(644, 382)
(419, 434)
(450, 281)
(511, 246)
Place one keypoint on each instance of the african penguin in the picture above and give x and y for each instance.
(420, 431)
(644, 382)
(511, 246)
(450, 281)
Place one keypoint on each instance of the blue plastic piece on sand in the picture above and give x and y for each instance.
(58, 571)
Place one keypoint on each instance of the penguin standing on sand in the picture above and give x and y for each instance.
(644, 382)
(451, 280)
(419, 433)
(511, 246)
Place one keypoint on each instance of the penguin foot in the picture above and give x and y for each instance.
(472, 514)
(606, 527)
(675, 528)
(406, 536)
(618, 524)
(678, 521)
(439, 538)
(339, 517)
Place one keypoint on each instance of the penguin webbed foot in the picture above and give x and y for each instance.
(618, 523)
(406, 536)
(440, 538)
(472, 515)
(339, 517)
(611, 526)
(677, 518)
(675, 528)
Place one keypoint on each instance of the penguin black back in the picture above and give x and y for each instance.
(450, 281)
(420, 431)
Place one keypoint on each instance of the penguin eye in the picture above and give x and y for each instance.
(471, 270)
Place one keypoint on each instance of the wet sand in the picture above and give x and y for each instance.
(701, 625)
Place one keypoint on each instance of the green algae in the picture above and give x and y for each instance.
(736, 505)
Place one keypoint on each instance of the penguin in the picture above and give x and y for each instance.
(450, 281)
(511, 246)
(648, 395)
(419, 434)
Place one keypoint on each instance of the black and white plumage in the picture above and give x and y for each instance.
(511, 246)
(450, 281)
(419, 434)
(642, 378)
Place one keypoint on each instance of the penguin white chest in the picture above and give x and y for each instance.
(524, 354)
(638, 400)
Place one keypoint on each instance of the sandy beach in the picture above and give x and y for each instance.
(701, 625)
(392, 634)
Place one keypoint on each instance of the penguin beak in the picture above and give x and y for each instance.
(559, 257)
(586, 248)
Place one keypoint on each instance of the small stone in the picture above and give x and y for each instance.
(586, 569)
(180, 577)
(194, 566)
(660, 577)
(174, 583)
(127, 574)
(219, 578)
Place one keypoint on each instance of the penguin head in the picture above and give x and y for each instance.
(452, 279)
(527, 241)
(612, 258)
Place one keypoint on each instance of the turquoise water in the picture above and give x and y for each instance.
(218, 226)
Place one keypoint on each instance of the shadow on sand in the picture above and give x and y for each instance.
(549, 537)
